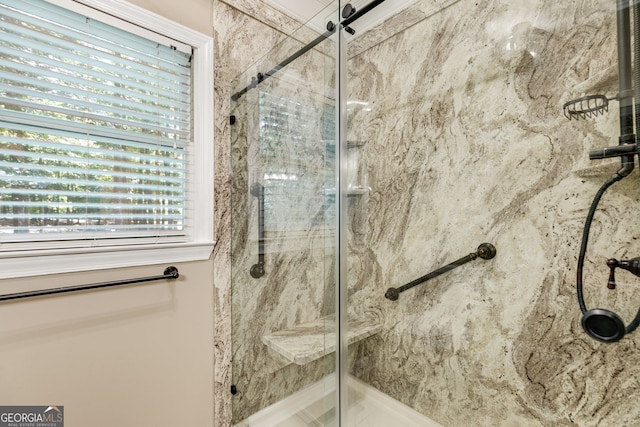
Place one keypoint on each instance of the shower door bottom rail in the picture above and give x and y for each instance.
(169, 273)
(485, 251)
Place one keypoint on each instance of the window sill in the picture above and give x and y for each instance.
(40, 263)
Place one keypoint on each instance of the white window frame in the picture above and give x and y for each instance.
(34, 262)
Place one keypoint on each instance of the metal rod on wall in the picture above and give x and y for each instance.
(169, 273)
(331, 28)
(485, 251)
(349, 13)
(257, 270)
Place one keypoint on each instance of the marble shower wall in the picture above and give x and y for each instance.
(465, 142)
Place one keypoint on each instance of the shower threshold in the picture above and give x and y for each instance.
(368, 407)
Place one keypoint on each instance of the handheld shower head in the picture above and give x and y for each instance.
(603, 325)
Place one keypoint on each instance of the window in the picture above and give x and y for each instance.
(106, 143)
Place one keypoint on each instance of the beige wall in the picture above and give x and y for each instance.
(139, 355)
(130, 356)
(196, 14)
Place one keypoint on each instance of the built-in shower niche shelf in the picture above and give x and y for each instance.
(356, 176)
(307, 342)
(355, 144)
(357, 190)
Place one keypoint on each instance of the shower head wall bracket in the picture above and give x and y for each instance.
(625, 149)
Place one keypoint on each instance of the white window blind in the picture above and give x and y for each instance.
(95, 124)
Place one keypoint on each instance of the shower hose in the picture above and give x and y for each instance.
(583, 249)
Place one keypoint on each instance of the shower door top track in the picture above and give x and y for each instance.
(352, 16)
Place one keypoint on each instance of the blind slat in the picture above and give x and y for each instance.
(66, 52)
(82, 175)
(71, 103)
(153, 156)
(88, 31)
(20, 121)
(100, 216)
(56, 14)
(93, 196)
(84, 187)
(105, 207)
(93, 121)
(54, 65)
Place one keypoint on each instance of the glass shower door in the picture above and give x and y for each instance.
(284, 232)
(455, 112)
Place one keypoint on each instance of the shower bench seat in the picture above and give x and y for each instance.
(310, 341)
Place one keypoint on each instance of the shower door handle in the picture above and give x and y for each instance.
(257, 270)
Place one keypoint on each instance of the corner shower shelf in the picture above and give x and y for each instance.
(358, 190)
(351, 191)
(307, 342)
(355, 144)
(356, 176)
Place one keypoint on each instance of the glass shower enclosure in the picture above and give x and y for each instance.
(284, 228)
(408, 200)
